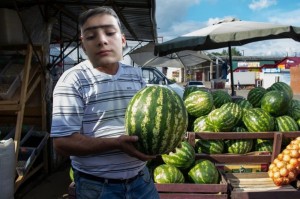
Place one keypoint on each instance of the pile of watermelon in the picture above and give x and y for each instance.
(160, 118)
(180, 167)
(264, 110)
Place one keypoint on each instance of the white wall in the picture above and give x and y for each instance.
(270, 78)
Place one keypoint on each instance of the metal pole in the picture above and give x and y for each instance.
(231, 70)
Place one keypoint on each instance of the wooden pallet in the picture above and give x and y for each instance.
(258, 185)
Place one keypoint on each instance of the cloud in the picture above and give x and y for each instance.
(261, 4)
(170, 13)
(291, 17)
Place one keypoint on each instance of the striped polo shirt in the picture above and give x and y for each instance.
(93, 103)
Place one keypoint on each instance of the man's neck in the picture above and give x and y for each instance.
(110, 69)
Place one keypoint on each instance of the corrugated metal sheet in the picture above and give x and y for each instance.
(137, 16)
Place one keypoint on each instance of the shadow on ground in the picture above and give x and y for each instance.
(51, 186)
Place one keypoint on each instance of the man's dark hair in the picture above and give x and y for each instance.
(95, 11)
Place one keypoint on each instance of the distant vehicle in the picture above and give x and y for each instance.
(153, 76)
(195, 83)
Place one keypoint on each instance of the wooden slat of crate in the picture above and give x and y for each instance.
(190, 191)
(191, 196)
(258, 185)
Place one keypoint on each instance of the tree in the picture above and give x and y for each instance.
(234, 52)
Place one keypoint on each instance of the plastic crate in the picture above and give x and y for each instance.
(8, 86)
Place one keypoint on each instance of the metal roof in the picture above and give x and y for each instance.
(137, 16)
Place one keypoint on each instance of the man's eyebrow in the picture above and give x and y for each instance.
(96, 27)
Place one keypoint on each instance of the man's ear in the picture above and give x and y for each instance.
(124, 41)
(83, 48)
(81, 43)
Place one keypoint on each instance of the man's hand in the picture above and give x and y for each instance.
(126, 144)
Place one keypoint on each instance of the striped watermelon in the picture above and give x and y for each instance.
(220, 97)
(275, 102)
(204, 172)
(284, 87)
(294, 109)
(298, 122)
(165, 174)
(200, 125)
(263, 145)
(158, 117)
(255, 95)
(235, 110)
(258, 120)
(209, 146)
(190, 89)
(240, 146)
(221, 120)
(183, 157)
(285, 123)
(199, 103)
(244, 103)
(239, 129)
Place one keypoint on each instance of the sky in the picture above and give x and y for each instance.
(179, 17)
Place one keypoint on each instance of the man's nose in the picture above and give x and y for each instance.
(102, 39)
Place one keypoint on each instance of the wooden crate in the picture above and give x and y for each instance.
(190, 191)
(258, 186)
(252, 157)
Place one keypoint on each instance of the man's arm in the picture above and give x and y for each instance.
(80, 145)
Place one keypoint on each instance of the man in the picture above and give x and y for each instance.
(89, 104)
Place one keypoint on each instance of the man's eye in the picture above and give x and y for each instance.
(89, 37)
(110, 33)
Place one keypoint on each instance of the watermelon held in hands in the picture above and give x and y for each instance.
(165, 174)
(183, 156)
(204, 172)
(158, 117)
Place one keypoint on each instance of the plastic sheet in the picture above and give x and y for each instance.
(7, 168)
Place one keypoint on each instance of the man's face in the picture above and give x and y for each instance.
(102, 40)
